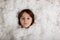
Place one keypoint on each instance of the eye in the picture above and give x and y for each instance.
(28, 18)
(22, 18)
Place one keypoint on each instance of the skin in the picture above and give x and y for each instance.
(25, 20)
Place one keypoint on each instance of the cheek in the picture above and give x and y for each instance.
(30, 21)
(21, 21)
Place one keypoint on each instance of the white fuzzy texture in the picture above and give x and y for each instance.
(32, 33)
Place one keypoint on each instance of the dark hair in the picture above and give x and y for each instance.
(27, 11)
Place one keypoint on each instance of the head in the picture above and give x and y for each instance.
(25, 18)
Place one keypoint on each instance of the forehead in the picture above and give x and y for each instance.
(25, 14)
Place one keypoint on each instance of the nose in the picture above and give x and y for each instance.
(25, 20)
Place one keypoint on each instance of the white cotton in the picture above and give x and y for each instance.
(32, 33)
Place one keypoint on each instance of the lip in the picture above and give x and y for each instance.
(25, 23)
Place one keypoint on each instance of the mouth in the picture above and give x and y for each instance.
(25, 23)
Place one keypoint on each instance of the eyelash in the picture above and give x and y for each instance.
(28, 18)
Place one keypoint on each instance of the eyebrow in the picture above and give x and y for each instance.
(27, 16)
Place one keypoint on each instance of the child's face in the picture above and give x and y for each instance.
(25, 20)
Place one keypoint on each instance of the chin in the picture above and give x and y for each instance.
(26, 27)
